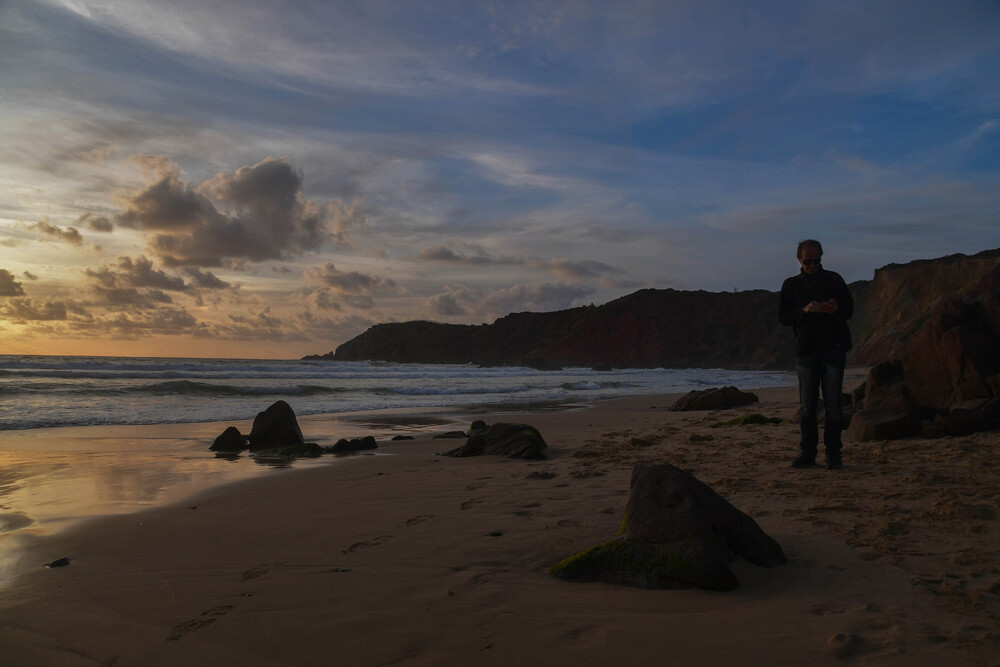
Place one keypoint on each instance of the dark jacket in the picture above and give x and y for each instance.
(816, 332)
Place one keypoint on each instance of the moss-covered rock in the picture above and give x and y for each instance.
(679, 564)
(676, 532)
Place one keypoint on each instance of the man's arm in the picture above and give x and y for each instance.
(845, 302)
(789, 312)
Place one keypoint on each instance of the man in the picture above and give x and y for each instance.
(818, 304)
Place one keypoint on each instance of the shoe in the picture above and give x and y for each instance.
(804, 460)
(834, 462)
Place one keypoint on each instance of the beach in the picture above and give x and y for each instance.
(409, 557)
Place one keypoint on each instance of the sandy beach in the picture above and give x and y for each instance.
(411, 558)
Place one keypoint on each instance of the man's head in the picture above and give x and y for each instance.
(810, 253)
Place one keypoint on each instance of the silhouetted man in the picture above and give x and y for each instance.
(818, 304)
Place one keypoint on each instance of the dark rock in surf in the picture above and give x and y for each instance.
(231, 440)
(275, 427)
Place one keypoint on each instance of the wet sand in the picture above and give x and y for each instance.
(409, 557)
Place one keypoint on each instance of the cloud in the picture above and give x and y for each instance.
(463, 301)
(257, 326)
(206, 279)
(69, 235)
(256, 213)
(128, 297)
(471, 255)
(9, 286)
(565, 268)
(97, 223)
(28, 310)
(137, 272)
(135, 283)
(331, 328)
(162, 321)
(347, 282)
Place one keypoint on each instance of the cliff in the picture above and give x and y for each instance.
(650, 328)
(684, 329)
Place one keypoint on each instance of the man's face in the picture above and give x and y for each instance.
(810, 259)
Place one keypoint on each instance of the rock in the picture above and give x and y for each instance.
(451, 434)
(477, 425)
(231, 440)
(677, 533)
(59, 562)
(717, 398)
(344, 446)
(306, 449)
(402, 437)
(883, 424)
(516, 441)
(275, 427)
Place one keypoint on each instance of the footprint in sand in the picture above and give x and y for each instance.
(207, 618)
(374, 542)
(419, 519)
(255, 572)
(470, 502)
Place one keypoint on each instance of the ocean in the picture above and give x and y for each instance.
(39, 392)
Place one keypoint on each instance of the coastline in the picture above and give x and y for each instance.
(412, 558)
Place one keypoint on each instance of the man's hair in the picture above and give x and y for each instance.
(807, 242)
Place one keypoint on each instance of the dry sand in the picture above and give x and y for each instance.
(411, 558)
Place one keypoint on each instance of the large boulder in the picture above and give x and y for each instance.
(677, 533)
(230, 440)
(947, 374)
(516, 441)
(275, 427)
(716, 398)
(955, 355)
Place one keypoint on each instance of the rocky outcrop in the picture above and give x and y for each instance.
(892, 308)
(716, 398)
(944, 377)
(677, 533)
(275, 427)
(515, 441)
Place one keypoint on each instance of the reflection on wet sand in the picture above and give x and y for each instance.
(52, 479)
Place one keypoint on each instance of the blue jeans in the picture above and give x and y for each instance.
(824, 370)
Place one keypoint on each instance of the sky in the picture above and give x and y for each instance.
(268, 179)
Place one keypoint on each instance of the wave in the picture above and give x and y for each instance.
(591, 385)
(189, 388)
(452, 391)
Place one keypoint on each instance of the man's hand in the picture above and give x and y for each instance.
(829, 307)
